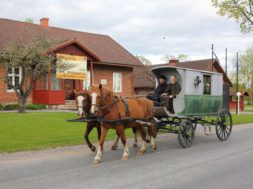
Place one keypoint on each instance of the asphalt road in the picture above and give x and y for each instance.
(208, 164)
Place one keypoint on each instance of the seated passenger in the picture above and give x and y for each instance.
(160, 89)
(172, 90)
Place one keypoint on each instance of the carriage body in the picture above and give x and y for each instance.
(201, 92)
(203, 100)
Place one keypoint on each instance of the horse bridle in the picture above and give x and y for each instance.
(108, 107)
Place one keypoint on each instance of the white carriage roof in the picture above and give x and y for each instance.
(181, 68)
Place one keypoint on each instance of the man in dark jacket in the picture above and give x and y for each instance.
(172, 90)
(160, 89)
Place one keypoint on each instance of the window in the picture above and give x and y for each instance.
(56, 84)
(117, 82)
(14, 78)
(207, 84)
(86, 83)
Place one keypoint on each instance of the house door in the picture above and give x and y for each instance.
(69, 86)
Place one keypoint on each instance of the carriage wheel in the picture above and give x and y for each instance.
(186, 133)
(224, 125)
(148, 137)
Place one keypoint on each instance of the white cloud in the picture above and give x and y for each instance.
(189, 27)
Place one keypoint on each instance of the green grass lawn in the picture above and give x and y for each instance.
(38, 130)
(242, 118)
(248, 106)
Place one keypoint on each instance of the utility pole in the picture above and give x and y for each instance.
(226, 61)
(212, 57)
(237, 83)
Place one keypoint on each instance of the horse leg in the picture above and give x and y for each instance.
(98, 130)
(98, 156)
(115, 144)
(144, 140)
(89, 128)
(134, 129)
(152, 136)
(121, 132)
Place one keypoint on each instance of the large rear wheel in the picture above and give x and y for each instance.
(186, 133)
(224, 125)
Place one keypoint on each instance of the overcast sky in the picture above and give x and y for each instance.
(150, 28)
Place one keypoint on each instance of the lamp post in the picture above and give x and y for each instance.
(237, 84)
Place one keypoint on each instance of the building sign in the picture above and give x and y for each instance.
(71, 67)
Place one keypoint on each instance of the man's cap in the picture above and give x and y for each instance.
(162, 77)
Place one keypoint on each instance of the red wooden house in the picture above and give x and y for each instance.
(233, 102)
(107, 62)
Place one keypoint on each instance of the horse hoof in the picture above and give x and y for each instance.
(96, 161)
(135, 145)
(154, 147)
(125, 158)
(114, 147)
(141, 152)
(93, 148)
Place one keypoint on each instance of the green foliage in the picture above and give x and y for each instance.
(240, 10)
(11, 107)
(29, 20)
(28, 107)
(1, 107)
(35, 106)
(181, 57)
(144, 60)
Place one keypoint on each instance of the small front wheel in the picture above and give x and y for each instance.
(186, 133)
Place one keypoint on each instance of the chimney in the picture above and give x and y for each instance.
(173, 62)
(44, 22)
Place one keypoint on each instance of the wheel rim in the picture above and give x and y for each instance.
(186, 133)
(224, 126)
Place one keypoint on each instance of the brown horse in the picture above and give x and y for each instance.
(83, 104)
(111, 107)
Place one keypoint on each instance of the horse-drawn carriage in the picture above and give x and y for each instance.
(203, 100)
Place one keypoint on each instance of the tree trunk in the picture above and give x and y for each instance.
(22, 103)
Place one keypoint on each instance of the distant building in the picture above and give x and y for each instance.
(232, 94)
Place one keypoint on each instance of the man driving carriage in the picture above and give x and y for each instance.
(171, 91)
(160, 89)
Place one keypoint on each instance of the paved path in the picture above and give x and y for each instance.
(208, 164)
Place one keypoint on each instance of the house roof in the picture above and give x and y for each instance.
(143, 78)
(232, 92)
(102, 46)
(141, 74)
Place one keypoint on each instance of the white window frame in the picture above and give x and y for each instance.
(86, 83)
(117, 82)
(12, 75)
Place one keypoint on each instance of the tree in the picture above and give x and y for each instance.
(245, 70)
(32, 59)
(168, 57)
(143, 60)
(240, 10)
(29, 20)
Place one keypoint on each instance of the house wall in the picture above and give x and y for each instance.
(7, 97)
(106, 72)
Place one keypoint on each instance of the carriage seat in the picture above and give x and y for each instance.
(161, 112)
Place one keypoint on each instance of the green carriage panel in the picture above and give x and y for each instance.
(202, 104)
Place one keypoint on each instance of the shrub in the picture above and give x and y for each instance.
(35, 106)
(1, 107)
(11, 107)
